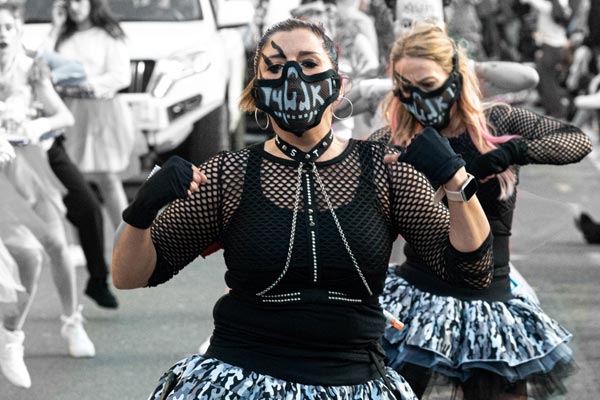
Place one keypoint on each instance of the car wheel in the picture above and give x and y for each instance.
(209, 136)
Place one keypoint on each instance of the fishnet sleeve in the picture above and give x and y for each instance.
(549, 141)
(188, 228)
(425, 225)
(381, 135)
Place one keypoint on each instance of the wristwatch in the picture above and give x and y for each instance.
(467, 190)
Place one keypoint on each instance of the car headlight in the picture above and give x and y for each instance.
(170, 70)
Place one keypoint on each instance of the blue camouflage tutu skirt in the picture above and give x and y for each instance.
(454, 341)
(200, 378)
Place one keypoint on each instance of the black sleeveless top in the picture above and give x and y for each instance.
(308, 312)
(548, 142)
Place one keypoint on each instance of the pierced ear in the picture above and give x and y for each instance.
(345, 82)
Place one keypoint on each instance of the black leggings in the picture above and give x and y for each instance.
(83, 210)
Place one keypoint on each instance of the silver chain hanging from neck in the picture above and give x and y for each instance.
(293, 231)
(339, 228)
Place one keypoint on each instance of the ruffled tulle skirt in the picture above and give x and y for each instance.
(17, 215)
(103, 137)
(31, 175)
(515, 340)
(196, 378)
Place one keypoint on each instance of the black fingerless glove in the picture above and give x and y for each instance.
(170, 183)
(431, 153)
(498, 160)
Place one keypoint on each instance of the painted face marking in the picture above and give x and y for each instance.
(266, 59)
(280, 52)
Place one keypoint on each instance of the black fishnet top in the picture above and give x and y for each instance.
(548, 142)
(307, 322)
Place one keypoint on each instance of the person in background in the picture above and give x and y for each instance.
(101, 141)
(383, 20)
(349, 12)
(553, 54)
(302, 318)
(465, 26)
(491, 343)
(84, 210)
(31, 193)
(21, 257)
(497, 78)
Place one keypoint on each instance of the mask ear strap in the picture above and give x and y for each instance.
(455, 61)
(455, 70)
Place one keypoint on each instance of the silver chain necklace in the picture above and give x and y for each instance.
(293, 231)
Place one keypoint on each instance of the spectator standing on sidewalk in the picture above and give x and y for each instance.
(552, 57)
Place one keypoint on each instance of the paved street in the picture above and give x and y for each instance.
(154, 328)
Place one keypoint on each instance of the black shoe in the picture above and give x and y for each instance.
(100, 293)
(589, 228)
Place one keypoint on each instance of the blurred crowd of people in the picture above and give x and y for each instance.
(556, 37)
(541, 54)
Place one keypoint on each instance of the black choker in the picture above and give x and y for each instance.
(301, 156)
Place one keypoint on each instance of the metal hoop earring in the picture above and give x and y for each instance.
(349, 114)
(257, 123)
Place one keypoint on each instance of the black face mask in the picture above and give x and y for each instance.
(296, 101)
(433, 108)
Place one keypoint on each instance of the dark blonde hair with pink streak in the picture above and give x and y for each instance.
(429, 41)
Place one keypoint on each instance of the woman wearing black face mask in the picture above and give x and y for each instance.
(306, 221)
(490, 343)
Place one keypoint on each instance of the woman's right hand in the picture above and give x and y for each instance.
(177, 179)
(59, 13)
(431, 153)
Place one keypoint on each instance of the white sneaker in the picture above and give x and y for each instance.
(11, 358)
(78, 340)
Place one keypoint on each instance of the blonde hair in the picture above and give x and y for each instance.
(428, 41)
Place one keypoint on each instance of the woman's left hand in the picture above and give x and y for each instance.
(487, 165)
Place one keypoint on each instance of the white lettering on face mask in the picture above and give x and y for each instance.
(297, 102)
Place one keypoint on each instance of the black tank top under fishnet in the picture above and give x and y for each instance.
(548, 142)
(317, 321)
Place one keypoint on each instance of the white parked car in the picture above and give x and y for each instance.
(187, 66)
